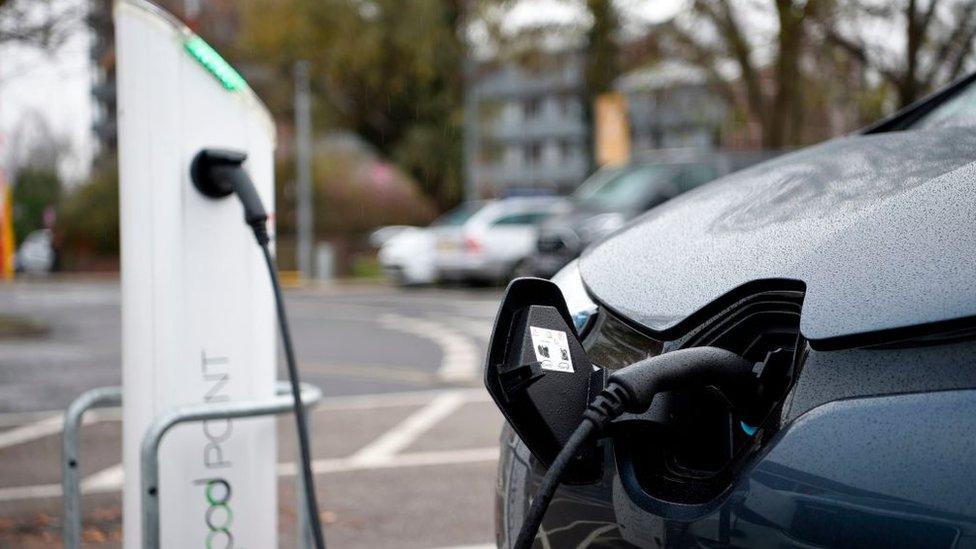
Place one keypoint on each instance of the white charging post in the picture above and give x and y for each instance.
(197, 310)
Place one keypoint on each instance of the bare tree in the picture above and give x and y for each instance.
(33, 143)
(915, 45)
(763, 45)
(41, 23)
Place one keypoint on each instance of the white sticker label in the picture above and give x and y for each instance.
(551, 349)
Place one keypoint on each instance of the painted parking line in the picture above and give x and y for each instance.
(396, 400)
(38, 491)
(372, 371)
(412, 459)
(112, 478)
(45, 427)
(343, 402)
(478, 329)
(381, 453)
(108, 479)
(32, 431)
(408, 430)
(460, 360)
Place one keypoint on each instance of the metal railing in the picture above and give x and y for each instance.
(149, 453)
(70, 461)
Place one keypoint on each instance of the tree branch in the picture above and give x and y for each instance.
(859, 52)
(959, 40)
(927, 17)
(722, 16)
(705, 58)
(962, 53)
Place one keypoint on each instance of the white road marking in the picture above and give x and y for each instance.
(407, 431)
(107, 479)
(38, 491)
(42, 351)
(476, 546)
(327, 404)
(461, 360)
(413, 459)
(394, 400)
(32, 431)
(44, 424)
(380, 454)
(480, 329)
(110, 480)
(371, 371)
(58, 298)
(16, 419)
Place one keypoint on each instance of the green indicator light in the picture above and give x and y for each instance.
(215, 64)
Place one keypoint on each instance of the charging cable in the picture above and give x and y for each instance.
(631, 389)
(217, 173)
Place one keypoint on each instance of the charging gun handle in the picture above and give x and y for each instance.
(219, 172)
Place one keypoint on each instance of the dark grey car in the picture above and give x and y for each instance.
(604, 202)
(612, 196)
(846, 272)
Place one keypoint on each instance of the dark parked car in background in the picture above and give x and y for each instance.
(845, 272)
(612, 196)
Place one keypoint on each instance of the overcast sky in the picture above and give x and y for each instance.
(57, 85)
(54, 85)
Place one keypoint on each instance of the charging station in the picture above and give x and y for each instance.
(197, 309)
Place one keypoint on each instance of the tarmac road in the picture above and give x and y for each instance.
(405, 442)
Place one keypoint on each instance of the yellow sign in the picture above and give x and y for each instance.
(6, 231)
(612, 130)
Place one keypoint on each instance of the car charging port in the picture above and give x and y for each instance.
(675, 416)
(688, 448)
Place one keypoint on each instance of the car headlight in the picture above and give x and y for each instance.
(581, 308)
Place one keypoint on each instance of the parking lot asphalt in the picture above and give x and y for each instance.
(405, 441)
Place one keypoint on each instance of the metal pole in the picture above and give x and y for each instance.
(149, 452)
(472, 123)
(303, 168)
(70, 459)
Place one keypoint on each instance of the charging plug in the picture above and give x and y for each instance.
(217, 173)
(631, 389)
(683, 369)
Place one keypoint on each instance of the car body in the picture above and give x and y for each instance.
(381, 236)
(406, 255)
(489, 241)
(36, 254)
(612, 196)
(845, 272)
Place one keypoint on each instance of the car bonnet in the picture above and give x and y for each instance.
(879, 229)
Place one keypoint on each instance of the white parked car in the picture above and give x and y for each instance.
(407, 256)
(36, 253)
(380, 236)
(489, 241)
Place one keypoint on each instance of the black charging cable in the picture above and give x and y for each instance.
(631, 389)
(218, 173)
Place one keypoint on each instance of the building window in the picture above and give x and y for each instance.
(567, 151)
(535, 153)
(533, 108)
(569, 107)
(514, 157)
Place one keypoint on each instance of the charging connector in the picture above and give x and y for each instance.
(631, 389)
(217, 173)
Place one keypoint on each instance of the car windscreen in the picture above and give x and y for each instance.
(521, 218)
(622, 190)
(459, 215)
(957, 111)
